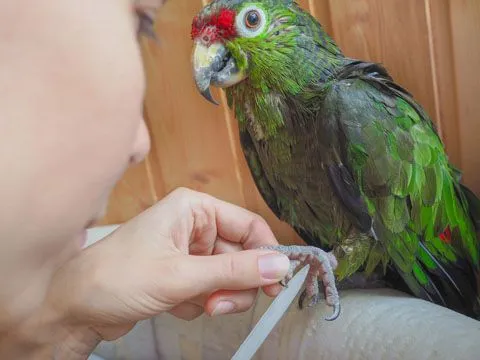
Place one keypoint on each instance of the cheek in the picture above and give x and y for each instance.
(113, 78)
(97, 102)
(117, 88)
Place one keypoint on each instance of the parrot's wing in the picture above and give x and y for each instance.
(392, 151)
(256, 169)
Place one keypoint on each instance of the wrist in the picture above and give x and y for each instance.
(46, 335)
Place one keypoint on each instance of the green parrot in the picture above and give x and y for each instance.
(343, 154)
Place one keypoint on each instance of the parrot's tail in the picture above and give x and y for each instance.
(453, 285)
(459, 282)
(473, 203)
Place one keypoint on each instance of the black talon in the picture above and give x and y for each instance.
(336, 313)
(301, 299)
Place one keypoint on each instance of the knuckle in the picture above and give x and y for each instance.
(260, 221)
(204, 219)
(182, 192)
(184, 196)
(258, 224)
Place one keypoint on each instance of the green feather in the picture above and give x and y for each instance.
(426, 259)
(420, 274)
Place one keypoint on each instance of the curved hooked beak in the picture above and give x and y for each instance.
(214, 65)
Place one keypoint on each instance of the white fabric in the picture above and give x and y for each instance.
(378, 324)
(374, 324)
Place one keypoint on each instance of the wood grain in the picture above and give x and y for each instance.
(321, 10)
(465, 27)
(442, 69)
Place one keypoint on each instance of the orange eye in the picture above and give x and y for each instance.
(252, 19)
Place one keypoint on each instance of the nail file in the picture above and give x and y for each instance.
(271, 317)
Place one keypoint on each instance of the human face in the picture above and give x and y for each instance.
(71, 123)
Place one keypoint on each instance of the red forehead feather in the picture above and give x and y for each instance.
(223, 22)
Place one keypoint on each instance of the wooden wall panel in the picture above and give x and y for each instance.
(442, 65)
(465, 27)
(431, 47)
(321, 10)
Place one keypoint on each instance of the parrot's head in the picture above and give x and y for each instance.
(264, 41)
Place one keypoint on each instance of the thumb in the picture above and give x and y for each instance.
(232, 271)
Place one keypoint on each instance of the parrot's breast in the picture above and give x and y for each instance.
(293, 162)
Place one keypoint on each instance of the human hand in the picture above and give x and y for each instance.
(183, 255)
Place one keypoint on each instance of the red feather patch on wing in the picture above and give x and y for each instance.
(217, 26)
(446, 236)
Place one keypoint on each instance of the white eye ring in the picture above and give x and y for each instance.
(242, 27)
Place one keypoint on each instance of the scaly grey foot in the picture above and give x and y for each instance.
(322, 265)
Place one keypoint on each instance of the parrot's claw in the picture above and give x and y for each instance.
(335, 314)
(322, 265)
(293, 266)
(311, 295)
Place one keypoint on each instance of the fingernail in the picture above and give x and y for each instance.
(224, 307)
(273, 266)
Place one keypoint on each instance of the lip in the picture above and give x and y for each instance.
(91, 223)
(83, 234)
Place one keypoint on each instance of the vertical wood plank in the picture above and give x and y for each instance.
(465, 17)
(392, 32)
(443, 72)
(321, 10)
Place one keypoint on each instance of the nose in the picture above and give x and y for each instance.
(141, 146)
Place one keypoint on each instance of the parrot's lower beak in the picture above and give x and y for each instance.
(214, 65)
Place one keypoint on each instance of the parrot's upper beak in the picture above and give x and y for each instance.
(214, 65)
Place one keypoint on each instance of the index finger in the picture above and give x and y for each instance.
(239, 225)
